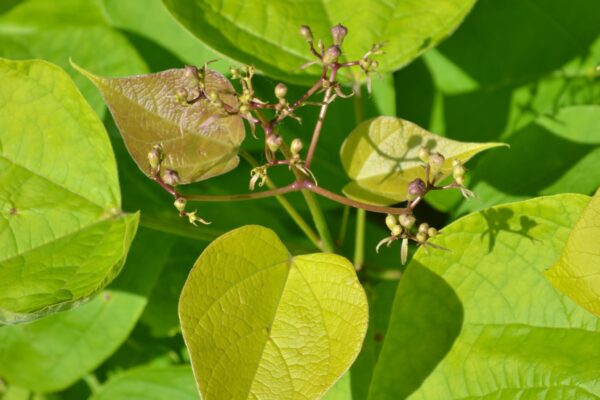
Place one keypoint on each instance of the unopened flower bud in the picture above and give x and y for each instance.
(155, 156)
(436, 160)
(244, 109)
(180, 203)
(296, 146)
(390, 221)
(421, 237)
(235, 72)
(424, 227)
(407, 221)
(458, 170)
(280, 90)
(274, 142)
(432, 232)
(306, 33)
(190, 72)
(460, 180)
(397, 230)
(170, 177)
(416, 188)
(338, 33)
(332, 54)
(424, 154)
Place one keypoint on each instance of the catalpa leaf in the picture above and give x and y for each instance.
(577, 272)
(482, 322)
(381, 156)
(51, 354)
(63, 236)
(260, 323)
(198, 140)
(266, 32)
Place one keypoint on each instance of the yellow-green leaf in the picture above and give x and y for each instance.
(260, 323)
(577, 272)
(199, 140)
(381, 157)
(63, 236)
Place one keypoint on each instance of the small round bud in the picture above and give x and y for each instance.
(296, 146)
(397, 230)
(424, 154)
(190, 72)
(274, 142)
(306, 33)
(416, 188)
(407, 221)
(213, 97)
(179, 204)
(424, 227)
(460, 180)
(373, 65)
(432, 232)
(421, 237)
(280, 90)
(458, 171)
(155, 156)
(338, 33)
(170, 177)
(332, 54)
(244, 109)
(436, 160)
(390, 222)
(235, 72)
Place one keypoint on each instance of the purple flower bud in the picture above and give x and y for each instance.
(338, 33)
(306, 32)
(416, 188)
(332, 54)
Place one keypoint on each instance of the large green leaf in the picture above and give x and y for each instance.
(577, 272)
(482, 322)
(265, 33)
(73, 28)
(199, 140)
(150, 20)
(259, 322)
(52, 353)
(381, 156)
(150, 383)
(63, 236)
(462, 91)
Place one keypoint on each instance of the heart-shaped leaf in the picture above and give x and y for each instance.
(381, 156)
(199, 140)
(577, 272)
(482, 322)
(63, 236)
(261, 323)
(265, 32)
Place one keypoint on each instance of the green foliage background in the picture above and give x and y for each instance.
(480, 323)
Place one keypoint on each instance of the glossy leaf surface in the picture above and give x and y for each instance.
(381, 156)
(63, 236)
(577, 272)
(259, 322)
(265, 33)
(199, 140)
(483, 322)
(54, 352)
